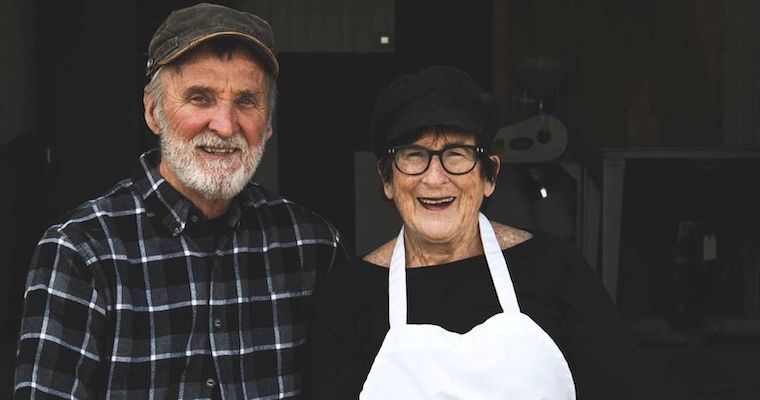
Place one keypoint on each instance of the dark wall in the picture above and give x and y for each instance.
(85, 133)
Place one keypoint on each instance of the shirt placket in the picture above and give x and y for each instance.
(221, 295)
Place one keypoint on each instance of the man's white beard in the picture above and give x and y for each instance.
(212, 179)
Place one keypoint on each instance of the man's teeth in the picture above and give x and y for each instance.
(218, 150)
(437, 201)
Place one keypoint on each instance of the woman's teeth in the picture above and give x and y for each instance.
(436, 201)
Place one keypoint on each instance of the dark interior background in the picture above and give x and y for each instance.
(677, 74)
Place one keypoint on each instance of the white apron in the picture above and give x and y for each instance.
(506, 357)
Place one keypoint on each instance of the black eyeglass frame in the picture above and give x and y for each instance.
(478, 151)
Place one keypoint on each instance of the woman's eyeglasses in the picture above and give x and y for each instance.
(456, 159)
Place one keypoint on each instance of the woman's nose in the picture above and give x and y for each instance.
(435, 173)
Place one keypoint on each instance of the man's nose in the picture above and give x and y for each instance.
(224, 120)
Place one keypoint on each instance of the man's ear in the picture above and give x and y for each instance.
(150, 109)
(268, 133)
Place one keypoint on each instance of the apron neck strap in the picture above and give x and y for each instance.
(497, 265)
(397, 284)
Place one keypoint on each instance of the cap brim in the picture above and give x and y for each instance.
(266, 53)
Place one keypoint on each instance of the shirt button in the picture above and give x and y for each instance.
(210, 382)
(194, 218)
(217, 323)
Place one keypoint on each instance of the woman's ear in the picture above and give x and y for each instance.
(387, 188)
(491, 185)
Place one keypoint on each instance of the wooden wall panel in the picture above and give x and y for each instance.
(741, 74)
(328, 26)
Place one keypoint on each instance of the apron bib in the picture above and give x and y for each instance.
(506, 357)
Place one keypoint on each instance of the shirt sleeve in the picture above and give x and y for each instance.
(60, 344)
(333, 368)
(601, 352)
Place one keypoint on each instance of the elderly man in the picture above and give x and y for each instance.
(186, 280)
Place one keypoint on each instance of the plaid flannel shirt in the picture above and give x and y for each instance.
(137, 296)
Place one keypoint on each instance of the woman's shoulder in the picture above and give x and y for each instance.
(509, 236)
(382, 255)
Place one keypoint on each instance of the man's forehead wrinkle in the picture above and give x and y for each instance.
(206, 89)
(198, 89)
(250, 92)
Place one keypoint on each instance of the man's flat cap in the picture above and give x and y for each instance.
(188, 27)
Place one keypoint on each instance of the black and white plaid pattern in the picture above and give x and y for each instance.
(136, 296)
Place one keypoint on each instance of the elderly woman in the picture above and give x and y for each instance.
(457, 307)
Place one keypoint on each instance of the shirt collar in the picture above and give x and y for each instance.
(163, 202)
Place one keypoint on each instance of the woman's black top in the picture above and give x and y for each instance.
(554, 285)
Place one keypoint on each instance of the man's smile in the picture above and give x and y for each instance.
(217, 150)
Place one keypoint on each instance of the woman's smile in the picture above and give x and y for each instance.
(436, 203)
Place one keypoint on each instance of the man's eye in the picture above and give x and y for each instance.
(199, 99)
(247, 102)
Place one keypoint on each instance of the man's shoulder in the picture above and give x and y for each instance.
(118, 201)
(265, 201)
(278, 212)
